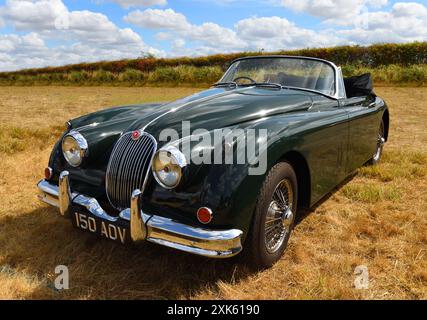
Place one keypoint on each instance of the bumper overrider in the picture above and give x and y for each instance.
(145, 227)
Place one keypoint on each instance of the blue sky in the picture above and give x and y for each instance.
(37, 33)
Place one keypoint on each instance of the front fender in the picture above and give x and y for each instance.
(230, 190)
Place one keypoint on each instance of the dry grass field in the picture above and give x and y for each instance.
(378, 219)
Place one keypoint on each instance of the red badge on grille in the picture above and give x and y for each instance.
(135, 135)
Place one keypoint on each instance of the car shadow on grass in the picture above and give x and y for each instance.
(34, 243)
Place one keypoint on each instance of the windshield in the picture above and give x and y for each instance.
(290, 72)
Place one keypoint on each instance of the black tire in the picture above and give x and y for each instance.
(257, 254)
(380, 145)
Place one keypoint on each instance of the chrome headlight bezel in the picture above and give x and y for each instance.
(174, 158)
(81, 147)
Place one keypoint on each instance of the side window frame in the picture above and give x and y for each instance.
(341, 93)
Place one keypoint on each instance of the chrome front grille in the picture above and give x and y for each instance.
(129, 167)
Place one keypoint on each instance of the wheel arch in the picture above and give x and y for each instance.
(386, 119)
(302, 171)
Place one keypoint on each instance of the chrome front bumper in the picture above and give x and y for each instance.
(144, 227)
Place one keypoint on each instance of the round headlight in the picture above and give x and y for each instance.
(74, 148)
(168, 165)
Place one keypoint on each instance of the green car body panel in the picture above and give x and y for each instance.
(325, 139)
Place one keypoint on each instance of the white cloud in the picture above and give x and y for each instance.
(212, 34)
(273, 33)
(163, 36)
(83, 35)
(364, 24)
(208, 34)
(89, 36)
(140, 3)
(178, 44)
(270, 33)
(158, 19)
(333, 10)
(20, 44)
(409, 9)
(52, 19)
(15, 49)
(30, 51)
(405, 22)
(33, 15)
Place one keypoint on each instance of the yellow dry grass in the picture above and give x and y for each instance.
(377, 219)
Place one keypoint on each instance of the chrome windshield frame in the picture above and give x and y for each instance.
(337, 74)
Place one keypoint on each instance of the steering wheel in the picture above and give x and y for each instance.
(244, 78)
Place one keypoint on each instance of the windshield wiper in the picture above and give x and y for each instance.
(263, 84)
(256, 84)
(268, 84)
(226, 84)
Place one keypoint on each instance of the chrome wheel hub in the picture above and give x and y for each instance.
(279, 217)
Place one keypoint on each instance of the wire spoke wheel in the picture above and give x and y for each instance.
(279, 216)
(380, 143)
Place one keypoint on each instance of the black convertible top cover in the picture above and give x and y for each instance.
(358, 86)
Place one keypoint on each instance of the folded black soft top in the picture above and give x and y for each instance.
(358, 86)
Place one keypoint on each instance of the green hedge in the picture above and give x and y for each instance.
(174, 76)
(390, 63)
(203, 76)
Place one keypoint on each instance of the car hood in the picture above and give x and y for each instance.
(221, 108)
(210, 109)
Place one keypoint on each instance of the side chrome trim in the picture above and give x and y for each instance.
(152, 228)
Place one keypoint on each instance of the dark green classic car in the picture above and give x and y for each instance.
(223, 169)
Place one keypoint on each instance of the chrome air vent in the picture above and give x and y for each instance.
(129, 167)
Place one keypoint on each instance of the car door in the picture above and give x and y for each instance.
(364, 121)
(328, 145)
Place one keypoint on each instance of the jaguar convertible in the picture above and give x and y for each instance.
(113, 173)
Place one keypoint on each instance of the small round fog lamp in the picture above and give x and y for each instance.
(47, 173)
(204, 215)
